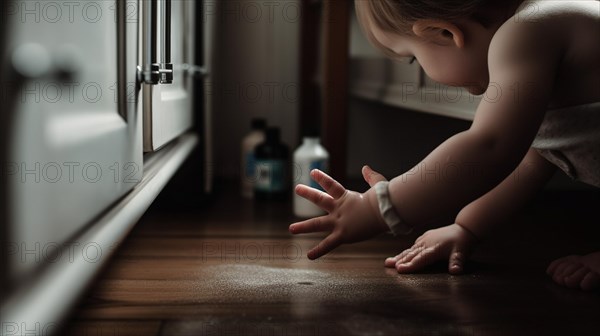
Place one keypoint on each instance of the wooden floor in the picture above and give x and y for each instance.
(229, 267)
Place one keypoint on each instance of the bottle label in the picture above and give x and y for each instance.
(270, 175)
(250, 171)
(320, 165)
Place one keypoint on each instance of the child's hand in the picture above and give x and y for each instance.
(352, 216)
(452, 243)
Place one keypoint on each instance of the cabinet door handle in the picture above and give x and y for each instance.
(156, 16)
(165, 66)
(34, 61)
(150, 69)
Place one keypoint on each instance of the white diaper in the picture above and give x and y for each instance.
(570, 139)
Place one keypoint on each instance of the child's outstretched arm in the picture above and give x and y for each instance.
(523, 61)
(454, 242)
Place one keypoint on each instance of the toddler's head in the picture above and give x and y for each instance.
(449, 39)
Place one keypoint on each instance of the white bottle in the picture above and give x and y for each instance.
(310, 155)
(249, 142)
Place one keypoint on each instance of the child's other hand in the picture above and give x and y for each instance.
(351, 217)
(452, 243)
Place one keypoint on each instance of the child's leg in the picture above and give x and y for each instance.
(577, 271)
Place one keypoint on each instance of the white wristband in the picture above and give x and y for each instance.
(389, 214)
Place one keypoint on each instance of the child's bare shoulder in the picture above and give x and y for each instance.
(554, 19)
(556, 10)
(547, 27)
(555, 40)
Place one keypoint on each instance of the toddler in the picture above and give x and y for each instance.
(542, 58)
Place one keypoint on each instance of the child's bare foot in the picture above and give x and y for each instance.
(577, 271)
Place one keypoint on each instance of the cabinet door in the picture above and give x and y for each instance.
(76, 132)
(168, 107)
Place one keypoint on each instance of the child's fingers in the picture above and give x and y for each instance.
(413, 250)
(559, 270)
(318, 224)
(574, 280)
(371, 176)
(419, 261)
(325, 246)
(569, 269)
(401, 256)
(456, 265)
(407, 255)
(321, 199)
(553, 267)
(590, 281)
(331, 186)
(391, 261)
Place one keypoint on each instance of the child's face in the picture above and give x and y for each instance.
(444, 63)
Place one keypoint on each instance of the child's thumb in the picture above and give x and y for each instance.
(371, 176)
(456, 264)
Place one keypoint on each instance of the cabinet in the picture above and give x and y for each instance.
(97, 98)
(75, 137)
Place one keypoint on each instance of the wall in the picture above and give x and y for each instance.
(392, 140)
(256, 74)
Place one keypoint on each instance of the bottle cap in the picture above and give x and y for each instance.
(272, 134)
(312, 132)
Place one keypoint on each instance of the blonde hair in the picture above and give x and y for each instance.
(398, 16)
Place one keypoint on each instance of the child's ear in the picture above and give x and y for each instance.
(439, 32)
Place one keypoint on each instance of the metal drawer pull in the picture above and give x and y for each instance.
(149, 72)
(166, 67)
